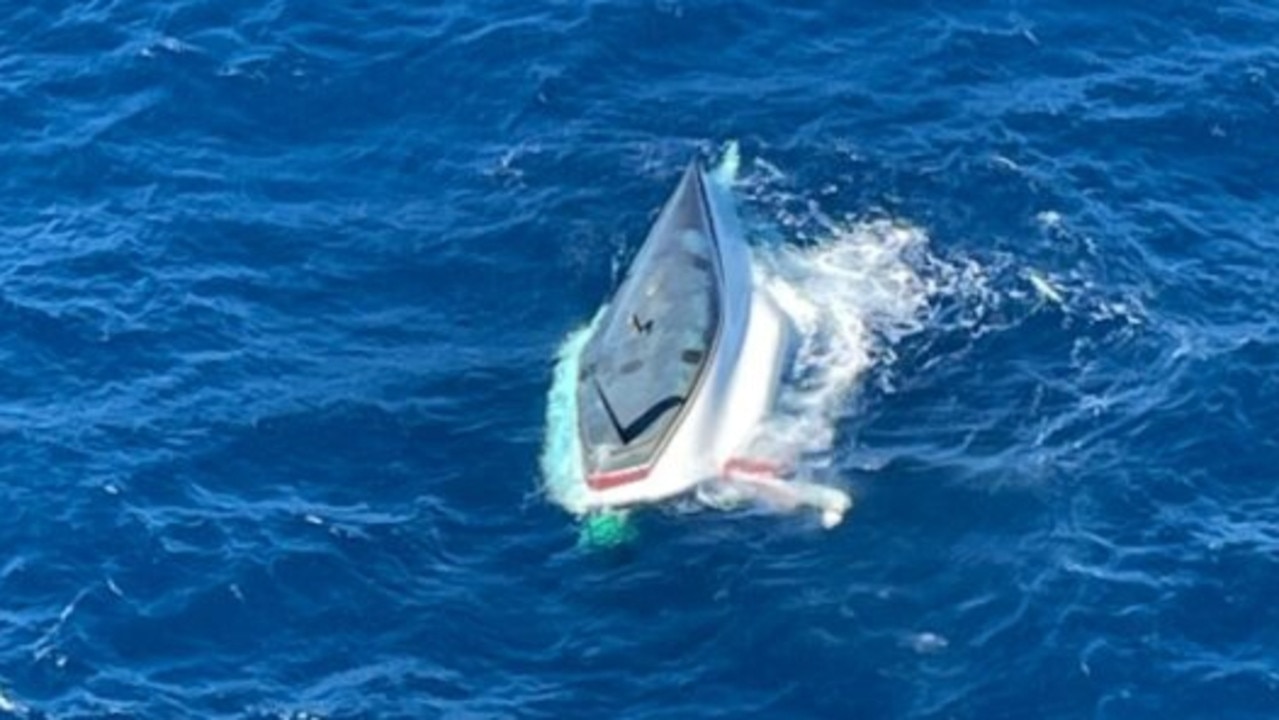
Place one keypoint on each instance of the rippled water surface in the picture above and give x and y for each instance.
(283, 285)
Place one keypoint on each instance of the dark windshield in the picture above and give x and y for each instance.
(642, 362)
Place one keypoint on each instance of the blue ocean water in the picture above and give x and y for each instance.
(283, 285)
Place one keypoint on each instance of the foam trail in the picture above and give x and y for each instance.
(11, 707)
(853, 295)
(561, 456)
(730, 163)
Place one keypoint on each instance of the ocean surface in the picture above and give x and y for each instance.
(283, 284)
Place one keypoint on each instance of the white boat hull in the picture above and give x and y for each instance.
(736, 390)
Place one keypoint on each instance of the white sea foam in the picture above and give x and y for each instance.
(1045, 287)
(852, 294)
(9, 706)
(561, 458)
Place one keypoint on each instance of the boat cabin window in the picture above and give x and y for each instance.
(642, 363)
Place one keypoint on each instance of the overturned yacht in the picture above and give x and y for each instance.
(684, 365)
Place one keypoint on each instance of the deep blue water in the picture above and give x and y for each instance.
(283, 283)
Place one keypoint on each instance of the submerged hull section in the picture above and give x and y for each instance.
(685, 362)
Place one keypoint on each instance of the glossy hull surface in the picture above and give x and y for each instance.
(737, 387)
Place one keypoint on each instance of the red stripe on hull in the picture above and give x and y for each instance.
(609, 480)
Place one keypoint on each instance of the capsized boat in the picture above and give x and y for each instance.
(684, 365)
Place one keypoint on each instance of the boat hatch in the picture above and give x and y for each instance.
(642, 364)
